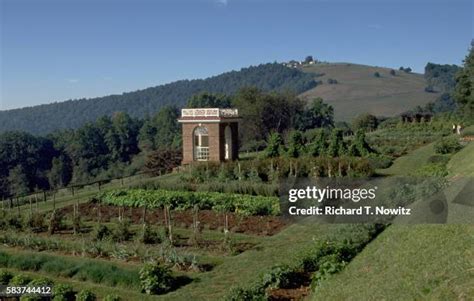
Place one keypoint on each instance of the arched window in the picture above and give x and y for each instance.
(201, 144)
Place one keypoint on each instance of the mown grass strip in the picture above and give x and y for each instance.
(80, 269)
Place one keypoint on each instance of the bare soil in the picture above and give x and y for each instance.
(298, 290)
(208, 219)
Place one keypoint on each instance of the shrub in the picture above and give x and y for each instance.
(62, 292)
(42, 281)
(376, 74)
(102, 232)
(278, 277)
(86, 295)
(20, 279)
(112, 298)
(447, 145)
(255, 293)
(36, 222)
(55, 222)
(439, 159)
(148, 236)
(328, 265)
(155, 279)
(14, 222)
(274, 145)
(122, 232)
(5, 277)
(380, 161)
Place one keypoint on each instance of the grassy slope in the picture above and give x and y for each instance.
(419, 262)
(414, 262)
(409, 162)
(462, 164)
(358, 91)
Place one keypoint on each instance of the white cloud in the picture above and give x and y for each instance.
(73, 80)
(222, 2)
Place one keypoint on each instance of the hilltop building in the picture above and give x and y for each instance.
(210, 134)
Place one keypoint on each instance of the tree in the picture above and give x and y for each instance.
(60, 173)
(319, 146)
(162, 160)
(392, 72)
(122, 137)
(366, 122)
(74, 114)
(274, 145)
(162, 131)
(209, 100)
(18, 182)
(32, 154)
(308, 59)
(376, 74)
(407, 69)
(336, 144)
(296, 144)
(359, 146)
(463, 91)
(317, 115)
(263, 113)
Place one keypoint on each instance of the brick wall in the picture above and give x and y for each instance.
(216, 141)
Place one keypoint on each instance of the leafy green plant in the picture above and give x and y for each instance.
(5, 277)
(148, 236)
(20, 279)
(242, 204)
(112, 298)
(122, 231)
(86, 295)
(36, 222)
(42, 281)
(62, 292)
(101, 232)
(447, 145)
(328, 265)
(155, 279)
(278, 276)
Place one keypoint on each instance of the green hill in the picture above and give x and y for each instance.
(358, 90)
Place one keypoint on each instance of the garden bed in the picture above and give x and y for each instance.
(211, 220)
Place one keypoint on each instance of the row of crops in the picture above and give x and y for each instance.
(181, 200)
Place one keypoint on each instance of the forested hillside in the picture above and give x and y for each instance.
(74, 113)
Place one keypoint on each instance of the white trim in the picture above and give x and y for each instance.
(209, 121)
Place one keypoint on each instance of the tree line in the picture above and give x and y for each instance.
(73, 114)
(122, 145)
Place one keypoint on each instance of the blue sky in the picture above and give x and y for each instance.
(54, 50)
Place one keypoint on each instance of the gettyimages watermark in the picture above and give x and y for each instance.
(405, 200)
